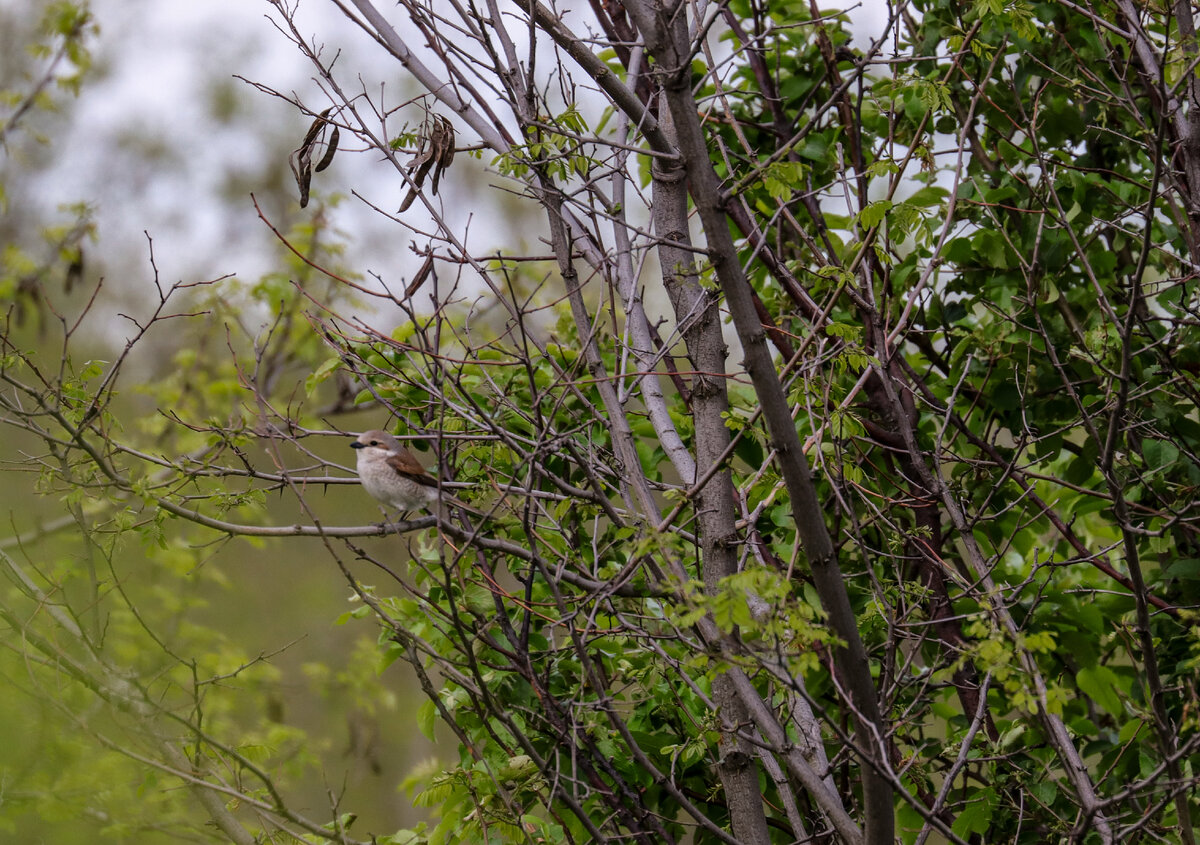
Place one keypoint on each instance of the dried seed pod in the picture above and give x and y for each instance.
(435, 151)
(301, 159)
(330, 149)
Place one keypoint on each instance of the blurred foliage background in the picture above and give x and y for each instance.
(124, 130)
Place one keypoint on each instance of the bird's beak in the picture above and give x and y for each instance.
(357, 445)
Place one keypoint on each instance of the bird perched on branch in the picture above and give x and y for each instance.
(391, 474)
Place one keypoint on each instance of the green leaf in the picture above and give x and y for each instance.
(991, 249)
(845, 331)
(1100, 684)
(976, 815)
(1079, 470)
(1187, 569)
(91, 369)
(1045, 791)
(1159, 454)
(930, 195)
(1006, 396)
(427, 715)
(358, 613)
(322, 373)
(873, 214)
(784, 178)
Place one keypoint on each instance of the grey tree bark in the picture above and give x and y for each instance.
(665, 30)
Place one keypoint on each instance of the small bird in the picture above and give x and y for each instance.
(391, 474)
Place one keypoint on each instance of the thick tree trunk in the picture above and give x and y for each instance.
(697, 313)
(666, 34)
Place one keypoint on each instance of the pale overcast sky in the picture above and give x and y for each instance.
(146, 150)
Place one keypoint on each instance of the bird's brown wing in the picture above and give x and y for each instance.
(404, 463)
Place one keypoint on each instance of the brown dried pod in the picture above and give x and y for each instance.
(330, 149)
(435, 151)
(300, 160)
